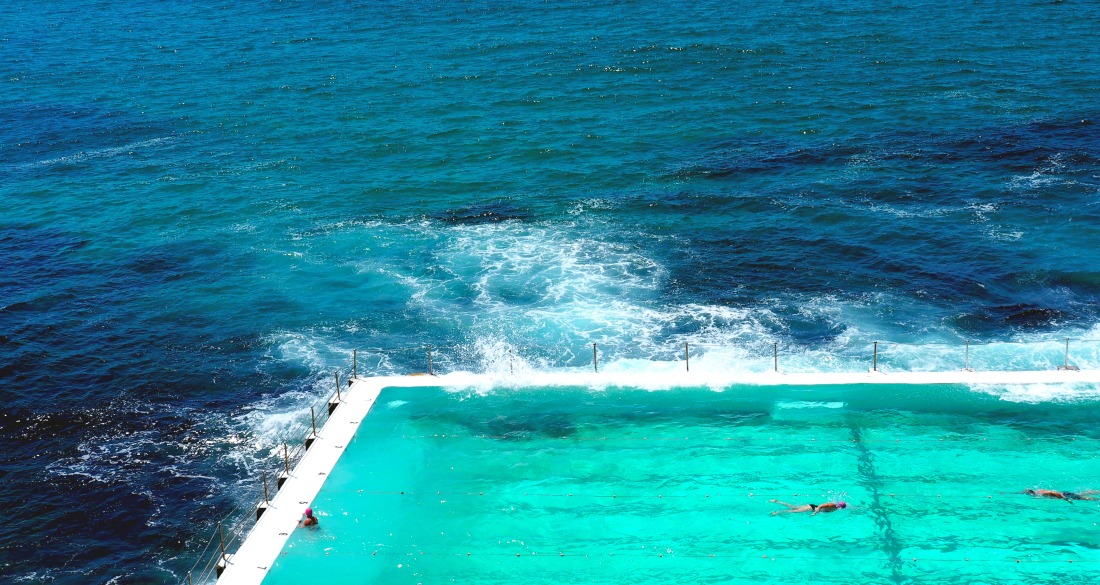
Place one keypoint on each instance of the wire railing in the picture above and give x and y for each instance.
(434, 359)
(231, 530)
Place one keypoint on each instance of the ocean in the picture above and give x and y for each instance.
(208, 206)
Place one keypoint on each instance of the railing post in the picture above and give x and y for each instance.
(875, 363)
(595, 365)
(687, 358)
(286, 466)
(221, 542)
(332, 405)
(431, 371)
(967, 368)
(1066, 365)
(267, 499)
(313, 435)
(354, 363)
(775, 355)
(510, 370)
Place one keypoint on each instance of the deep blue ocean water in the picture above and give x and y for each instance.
(207, 206)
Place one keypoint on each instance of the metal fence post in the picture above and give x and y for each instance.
(355, 363)
(687, 358)
(1066, 366)
(875, 366)
(431, 371)
(775, 355)
(267, 499)
(221, 542)
(313, 417)
(279, 481)
(595, 365)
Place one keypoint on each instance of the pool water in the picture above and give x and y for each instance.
(627, 486)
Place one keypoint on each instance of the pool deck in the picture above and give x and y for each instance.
(261, 548)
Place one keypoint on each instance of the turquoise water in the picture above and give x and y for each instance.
(627, 486)
(205, 207)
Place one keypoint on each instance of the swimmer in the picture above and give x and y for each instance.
(1057, 495)
(309, 520)
(814, 508)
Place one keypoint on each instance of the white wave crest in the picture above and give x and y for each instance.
(103, 152)
(1039, 393)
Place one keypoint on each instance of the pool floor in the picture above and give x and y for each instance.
(627, 486)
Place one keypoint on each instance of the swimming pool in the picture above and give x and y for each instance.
(565, 485)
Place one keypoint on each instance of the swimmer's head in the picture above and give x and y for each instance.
(309, 512)
(1029, 492)
(842, 504)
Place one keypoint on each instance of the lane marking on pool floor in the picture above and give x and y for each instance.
(868, 477)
